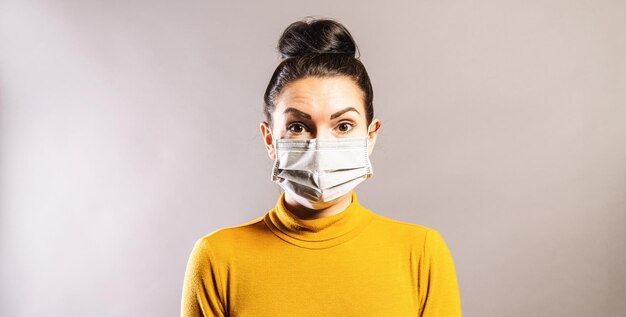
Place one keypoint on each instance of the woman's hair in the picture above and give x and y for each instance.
(317, 48)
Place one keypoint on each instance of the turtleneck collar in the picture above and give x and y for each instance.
(318, 233)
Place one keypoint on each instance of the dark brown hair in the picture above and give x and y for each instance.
(318, 48)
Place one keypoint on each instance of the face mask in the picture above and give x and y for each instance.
(317, 171)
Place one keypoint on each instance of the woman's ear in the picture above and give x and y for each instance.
(373, 129)
(266, 132)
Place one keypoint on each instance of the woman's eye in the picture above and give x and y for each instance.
(296, 128)
(344, 127)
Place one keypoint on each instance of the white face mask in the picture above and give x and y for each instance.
(316, 171)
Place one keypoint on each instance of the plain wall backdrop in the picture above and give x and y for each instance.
(129, 129)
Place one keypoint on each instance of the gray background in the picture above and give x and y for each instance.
(129, 129)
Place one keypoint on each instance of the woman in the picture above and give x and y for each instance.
(319, 252)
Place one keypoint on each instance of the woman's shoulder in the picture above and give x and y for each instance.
(419, 236)
(231, 235)
(395, 224)
(412, 230)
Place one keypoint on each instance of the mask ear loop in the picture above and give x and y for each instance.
(274, 176)
(370, 170)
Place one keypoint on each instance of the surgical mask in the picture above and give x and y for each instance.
(317, 171)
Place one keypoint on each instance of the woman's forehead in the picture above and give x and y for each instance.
(320, 96)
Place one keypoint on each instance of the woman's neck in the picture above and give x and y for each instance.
(334, 207)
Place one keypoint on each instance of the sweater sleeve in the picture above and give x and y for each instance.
(201, 288)
(439, 293)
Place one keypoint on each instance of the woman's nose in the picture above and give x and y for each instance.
(322, 133)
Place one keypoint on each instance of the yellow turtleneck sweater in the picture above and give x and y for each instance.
(354, 263)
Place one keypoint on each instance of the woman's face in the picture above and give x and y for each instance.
(319, 108)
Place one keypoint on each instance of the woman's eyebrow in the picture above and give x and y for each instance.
(340, 112)
(297, 112)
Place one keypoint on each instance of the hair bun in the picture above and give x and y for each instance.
(319, 36)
